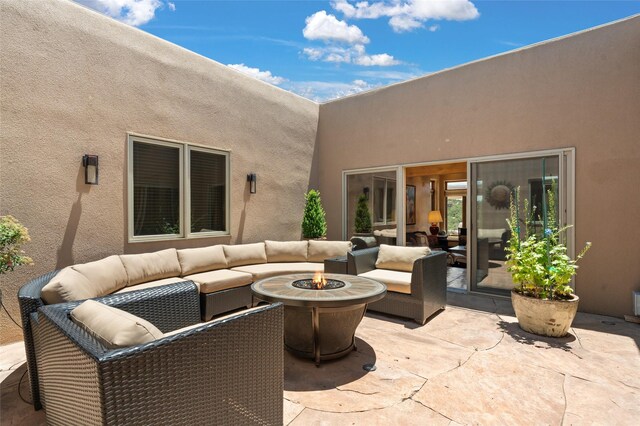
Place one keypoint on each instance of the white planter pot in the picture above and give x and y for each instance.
(544, 317)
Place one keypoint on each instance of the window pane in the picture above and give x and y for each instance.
(378, 199)
(208, 191)
(456, 185)
(391, 201)
(454, 214)
(156, 189)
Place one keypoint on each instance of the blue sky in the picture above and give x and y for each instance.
(328, 49)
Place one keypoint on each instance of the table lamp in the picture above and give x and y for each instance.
(434, 217)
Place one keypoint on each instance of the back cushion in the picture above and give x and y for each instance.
(491, 233)
(399, 258)
(113, 327)
(106, 276)
(286, 251)
(320, 250)
(202, 259)
(67, 286)
(245, 254)
(151, 266)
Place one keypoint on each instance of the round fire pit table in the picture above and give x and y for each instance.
(320, 324)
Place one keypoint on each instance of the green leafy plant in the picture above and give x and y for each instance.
(363, 217)
(314, 221)
(536, 258)
(12, 236)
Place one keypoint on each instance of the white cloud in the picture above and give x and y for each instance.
(321, 26)
(349, 55)
(132, 12)
(322, 91)
(172, 6)
(407, 15)
(382, 60)
(265, 76)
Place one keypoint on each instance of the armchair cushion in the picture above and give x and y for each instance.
(399, 258)
(113, 327)
(321, 250)
(223, 279)
(151, 266)
(397, 281)
(66, 286)
(245, 254)
(195, 260)
(86, 280)
(286, 251)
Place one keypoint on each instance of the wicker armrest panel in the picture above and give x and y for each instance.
(224, 372)
(361, 261)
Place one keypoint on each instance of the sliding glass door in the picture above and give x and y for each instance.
(492, 182)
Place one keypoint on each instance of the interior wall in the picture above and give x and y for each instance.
(74, 82)
(580, 91)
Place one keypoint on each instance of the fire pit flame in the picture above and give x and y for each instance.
(319, 281)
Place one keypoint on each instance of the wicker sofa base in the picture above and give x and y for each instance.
(403, 305)
(212, 304)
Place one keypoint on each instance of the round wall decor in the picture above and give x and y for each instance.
(498, 194)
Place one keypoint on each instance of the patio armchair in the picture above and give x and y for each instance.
(227, 371)
(418, 294)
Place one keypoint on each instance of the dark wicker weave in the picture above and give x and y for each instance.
(165, 313)
(428, 285)
(225, 372)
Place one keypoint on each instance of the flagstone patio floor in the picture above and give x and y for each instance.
(471, 364)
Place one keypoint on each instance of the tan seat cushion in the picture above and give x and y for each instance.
(245, 254)
(216, 319)
(201, 259)
(320, 250)
(151, 266)
(68, 285)
(113, 327)
(267, 270)
(397, 281)
(106, 275)
(399, 258)
(286, 251)
(150, 284)
(222, 279)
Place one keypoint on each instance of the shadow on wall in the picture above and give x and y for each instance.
(65, 251)
(243, 214)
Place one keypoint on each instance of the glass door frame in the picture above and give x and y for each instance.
(566, 203)
(400, 198)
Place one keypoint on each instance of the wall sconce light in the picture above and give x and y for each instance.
(251, 178)
(90, 163)
(365, 191)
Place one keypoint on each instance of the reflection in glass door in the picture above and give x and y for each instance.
(492, 183)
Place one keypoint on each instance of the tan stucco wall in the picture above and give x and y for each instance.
(74, 82)
(581, 91)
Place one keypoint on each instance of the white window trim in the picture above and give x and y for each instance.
(184, 185)
(385, 201)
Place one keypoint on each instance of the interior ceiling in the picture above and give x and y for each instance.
(437, 169)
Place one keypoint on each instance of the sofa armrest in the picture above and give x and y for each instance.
(361, 261)
(168, 307)
(429, 277)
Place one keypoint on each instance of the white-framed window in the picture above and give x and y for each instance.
(176, 190)
(456, 205)
(384, 201)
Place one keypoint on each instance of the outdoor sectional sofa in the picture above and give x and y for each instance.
(222, 273)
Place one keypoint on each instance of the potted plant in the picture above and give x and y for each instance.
(363, 217)
(314, 221)
(541, 270)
